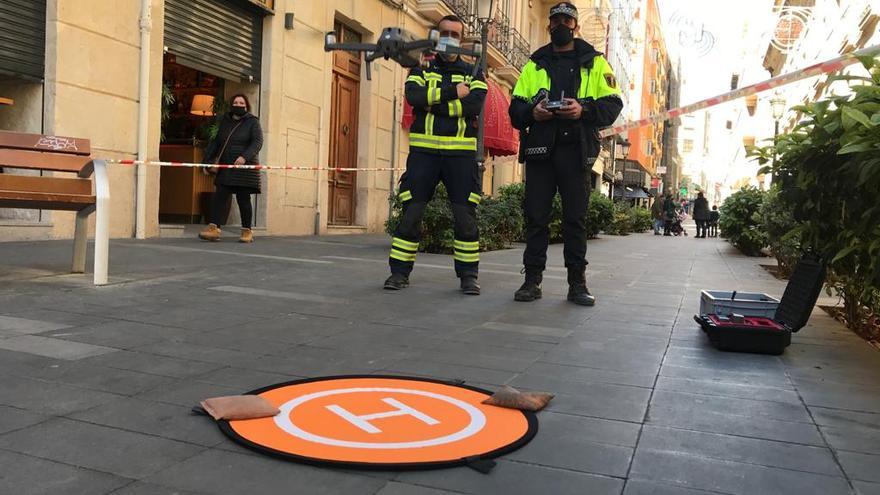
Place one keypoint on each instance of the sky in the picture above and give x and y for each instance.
(708, 38)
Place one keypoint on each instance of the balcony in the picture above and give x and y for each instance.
(508, 50)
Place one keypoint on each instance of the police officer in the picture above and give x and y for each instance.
(447, 97)
(565, 92)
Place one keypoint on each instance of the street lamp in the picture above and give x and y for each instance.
(777, 107)
(624, 149)
(485, 11)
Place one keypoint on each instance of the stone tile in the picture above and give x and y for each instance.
(395, 488)
(169, 421)
(53, 348)
(443, 371)
(854, 438)
(726, 389)
(92, 377)
(118, 334)
(495, 360)
(689, 471)
(48, 398)
(219, 472)
(153, 364)
(581, 444)
(514, 478)
(15, 419)
(776, 380)
(862, 467)
(187, 392)
(243, 379)
(139, 488)
(781, 411)
(11, 326)
(592, 375)
(202, 353)
(817, 460)
(843, 418)
(109, 450)
(618, 402)
(863, 488)
(642, 487)
(28, 475)
(840, 396)
(686, 416)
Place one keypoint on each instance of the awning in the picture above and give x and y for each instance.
(630, 192)
(501, 139)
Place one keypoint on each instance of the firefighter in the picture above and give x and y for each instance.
(560, 144)
(447, 98)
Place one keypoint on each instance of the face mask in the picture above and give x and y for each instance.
(561, 35)
(239, 111)
(448, 41)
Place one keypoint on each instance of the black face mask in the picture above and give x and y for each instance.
(239, 111)
(561, 35)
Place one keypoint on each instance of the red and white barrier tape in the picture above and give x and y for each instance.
(826, 67)
(251, 167)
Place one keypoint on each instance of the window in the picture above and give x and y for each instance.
(653, 86)
(649, 148)
(688, 145)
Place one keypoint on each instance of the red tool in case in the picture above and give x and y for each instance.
(762, 335)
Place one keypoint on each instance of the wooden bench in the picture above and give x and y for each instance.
(60, 154)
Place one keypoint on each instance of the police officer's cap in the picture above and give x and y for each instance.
(564, 8)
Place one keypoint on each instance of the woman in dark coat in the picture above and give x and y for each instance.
(238, 142)
(701, 215)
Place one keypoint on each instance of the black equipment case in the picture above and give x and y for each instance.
(764, 335)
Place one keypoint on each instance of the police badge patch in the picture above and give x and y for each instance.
(610, 80)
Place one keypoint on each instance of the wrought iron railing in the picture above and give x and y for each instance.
(502, 35)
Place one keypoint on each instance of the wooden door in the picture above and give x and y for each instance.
(343, 128)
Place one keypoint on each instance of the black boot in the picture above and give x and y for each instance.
(469, 285)
(531, 288)
(397, 281)
(577, 287)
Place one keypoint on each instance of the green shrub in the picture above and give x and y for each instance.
(829, 170)
(741, 220)
(621, 223)
(599, 215)
(783, 232)
(500, 222)
(640, 219)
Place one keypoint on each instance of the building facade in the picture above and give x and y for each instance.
(143, 79)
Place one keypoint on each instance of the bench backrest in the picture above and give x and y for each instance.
(38, 152)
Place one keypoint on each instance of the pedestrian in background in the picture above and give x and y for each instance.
(669, 215)
(714, 216)
(657, 213)
(238, 142)
(701, 215)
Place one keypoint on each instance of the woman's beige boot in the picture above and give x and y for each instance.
(247, 235)
(210, 233)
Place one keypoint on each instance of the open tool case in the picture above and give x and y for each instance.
(758, 334)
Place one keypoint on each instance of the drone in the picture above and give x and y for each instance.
(401, 46)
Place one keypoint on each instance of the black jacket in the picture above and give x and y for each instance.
(701, 209)
(246, 142)
(444, 124)
(597, 112)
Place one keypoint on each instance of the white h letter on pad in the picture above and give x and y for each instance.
(363, 422)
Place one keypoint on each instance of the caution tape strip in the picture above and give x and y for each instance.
(826, 67)
(252, 167)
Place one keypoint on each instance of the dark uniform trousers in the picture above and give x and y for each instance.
(461, 178)
(563, 172)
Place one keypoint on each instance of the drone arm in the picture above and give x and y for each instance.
(350, 47)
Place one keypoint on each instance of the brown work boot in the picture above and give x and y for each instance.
(247, 235)
(210, 233)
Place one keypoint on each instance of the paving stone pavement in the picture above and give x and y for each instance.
(96, 383)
